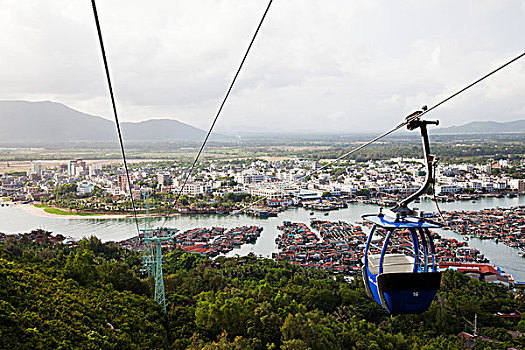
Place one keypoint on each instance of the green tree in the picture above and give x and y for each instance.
(80, 266)
(326, 194)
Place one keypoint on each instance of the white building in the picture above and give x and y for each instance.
(503, 163)
(517, 185)
(115, 191)
(476, 185)
(489, 186)
(348, 189)
(249, 177)
(37, 168)
(195, 188)
(85, 187)
(270, 193)
(443, 189)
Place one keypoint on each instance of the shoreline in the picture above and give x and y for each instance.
(121, 229)
(29, 207)
(41, 212)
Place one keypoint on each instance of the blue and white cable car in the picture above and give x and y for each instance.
(403, 282)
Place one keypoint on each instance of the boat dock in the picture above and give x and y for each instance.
(216, 240)
(336, 251)
(502, 225)
(339, 247)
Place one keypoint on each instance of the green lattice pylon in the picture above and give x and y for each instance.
(156, 242)
(152, 254)
(148, 254)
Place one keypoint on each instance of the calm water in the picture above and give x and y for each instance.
(15, 219)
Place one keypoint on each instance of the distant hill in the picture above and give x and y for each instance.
(23, 121)
(517, 126)
(162, 129)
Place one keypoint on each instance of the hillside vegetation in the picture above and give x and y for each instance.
(91, 297)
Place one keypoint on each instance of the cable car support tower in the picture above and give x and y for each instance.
(152, 254)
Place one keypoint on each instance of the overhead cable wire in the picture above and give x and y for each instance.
(106, 66)
(435, 197)
(469, 86)
(330, 163)
(404, 123)
(220, 108)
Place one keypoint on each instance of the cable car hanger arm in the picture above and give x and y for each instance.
(415, 122)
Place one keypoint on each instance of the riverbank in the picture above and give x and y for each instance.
(52, 212)
(15, 219)
(41, 211)
(265, 212)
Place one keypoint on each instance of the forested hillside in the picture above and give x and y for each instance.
(91, 297)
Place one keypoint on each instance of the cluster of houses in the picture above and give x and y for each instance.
(476, 178)
(280, 182)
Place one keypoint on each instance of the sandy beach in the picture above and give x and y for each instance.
(30, 208)
(41, 212)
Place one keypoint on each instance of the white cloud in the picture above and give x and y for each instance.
(337, 65)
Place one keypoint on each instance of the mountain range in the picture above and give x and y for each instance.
(52, 122)
(517, 126)
(23, 121)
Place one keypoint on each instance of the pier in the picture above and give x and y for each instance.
(217, 240)
(502, 225)
(339, 247)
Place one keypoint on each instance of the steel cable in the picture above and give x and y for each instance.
(404, 123)
(219, 110)
(106, 66)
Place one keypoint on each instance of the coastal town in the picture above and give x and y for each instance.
(78, 186)
(89, 188)
(262, 175)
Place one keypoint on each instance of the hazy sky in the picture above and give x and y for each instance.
(331, 65)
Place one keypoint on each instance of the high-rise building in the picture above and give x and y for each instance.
(36, 168)
(123, 183)
(71, 167)
(76, 167)
(95, 169)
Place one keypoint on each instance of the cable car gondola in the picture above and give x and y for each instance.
(403, 283)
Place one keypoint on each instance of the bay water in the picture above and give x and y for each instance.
(17, 219)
